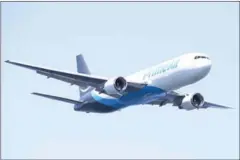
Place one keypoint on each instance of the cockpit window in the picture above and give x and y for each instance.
(202, 57)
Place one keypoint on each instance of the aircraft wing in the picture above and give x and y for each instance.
(75, 78)
(212, 105)
(175, 98)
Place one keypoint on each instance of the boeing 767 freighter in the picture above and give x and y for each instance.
(156, 85)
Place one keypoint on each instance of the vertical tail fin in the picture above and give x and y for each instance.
(82, 68)
(81, 65)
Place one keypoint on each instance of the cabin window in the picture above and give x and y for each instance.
(200, 57)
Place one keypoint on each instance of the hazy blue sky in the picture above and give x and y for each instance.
(117, 39)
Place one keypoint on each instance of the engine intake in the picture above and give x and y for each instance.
(120, 84)
(115, 86)
(192, 101)
(197, 100)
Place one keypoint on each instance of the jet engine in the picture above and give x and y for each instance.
(192, 101)
(115, 86)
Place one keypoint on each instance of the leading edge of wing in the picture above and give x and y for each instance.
(63, 75)
(57, 98)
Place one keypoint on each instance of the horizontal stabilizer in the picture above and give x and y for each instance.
(58, 98)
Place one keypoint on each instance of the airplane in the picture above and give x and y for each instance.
(156, 85)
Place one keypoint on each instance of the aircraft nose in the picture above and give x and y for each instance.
(205, 66)
(208, 64)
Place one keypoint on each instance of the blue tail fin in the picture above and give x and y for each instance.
(82, 68)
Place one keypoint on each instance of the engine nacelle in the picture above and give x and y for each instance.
(192, 101)
(115, 86)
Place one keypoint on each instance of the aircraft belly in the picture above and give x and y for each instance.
(102, 103)
(95, 107)
(143, 96)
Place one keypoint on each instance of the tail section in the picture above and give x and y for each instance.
(81, 65)
(82, 68)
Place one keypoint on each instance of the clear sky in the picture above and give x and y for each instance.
(117, 39)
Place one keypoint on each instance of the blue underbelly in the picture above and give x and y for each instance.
(143, 96)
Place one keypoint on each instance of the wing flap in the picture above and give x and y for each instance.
(58, 98)
(73, 81)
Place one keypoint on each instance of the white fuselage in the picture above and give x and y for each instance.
(186, 70)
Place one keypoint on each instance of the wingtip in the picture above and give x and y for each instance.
(10, 62)
(227, 107)
(35, 93)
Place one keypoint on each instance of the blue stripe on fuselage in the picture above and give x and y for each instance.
(144, 95)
